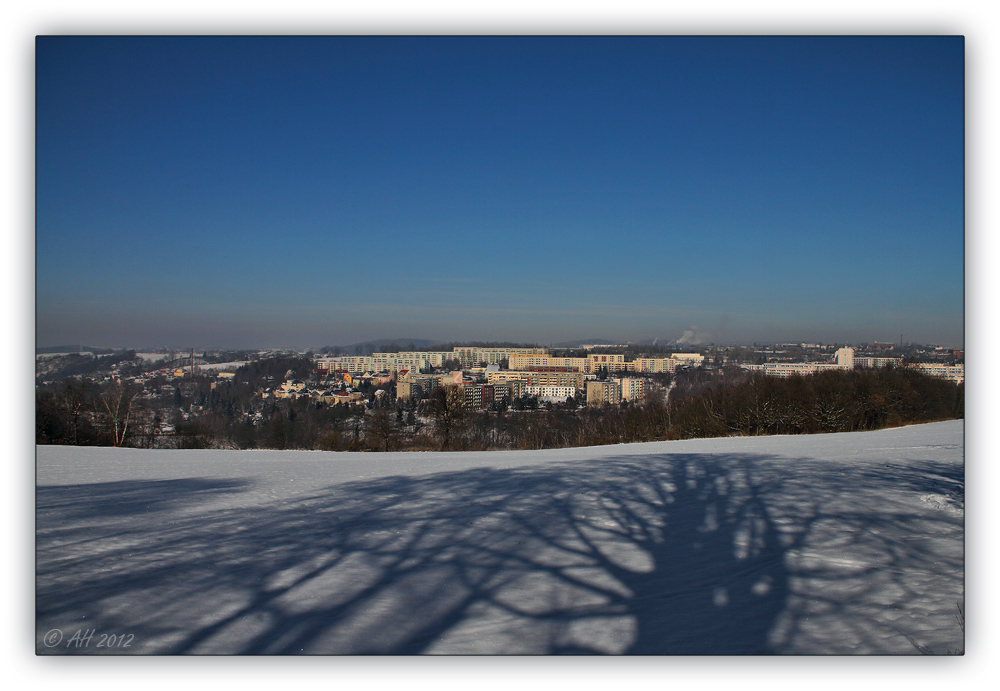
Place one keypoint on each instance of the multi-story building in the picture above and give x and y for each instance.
(450, 379)
(872, 362)
(526, 361)
(651, 365)
(655, 365)
(531, 378)
(606, 361)
(846, 357)
(787, 369)
(411, 385)
(355, 364)
(847, 360)
(481, 396)
(473, 356)
(631, 389)
(562, 392)
(411, 360)
(505, 393)
(955, 373)
(384, 362)
(474, 396)
(603, 392)
(687, 359)
(505, 375)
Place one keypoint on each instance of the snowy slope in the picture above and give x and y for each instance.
(842, 543)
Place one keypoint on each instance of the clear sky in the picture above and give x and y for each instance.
(250, 192)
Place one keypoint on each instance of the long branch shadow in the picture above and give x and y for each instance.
(658, 554)
(127, 497)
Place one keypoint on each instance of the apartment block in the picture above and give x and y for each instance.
(474, 396)
(607, 361)
(651, 365)
(955, 373)
(631, 389)
(471, 356)
(531, 378)
(384, 362)
(526, 361)
(688, 359)
(561, 392)
(787, 369)
(603, 392)
(414, 385)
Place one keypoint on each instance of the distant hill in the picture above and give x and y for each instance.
(375, 344)
(576, 343)
(73, 349)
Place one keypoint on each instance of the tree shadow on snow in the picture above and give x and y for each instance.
(655, 554)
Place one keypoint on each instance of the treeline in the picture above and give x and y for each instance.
(830, 401)
(702, 403)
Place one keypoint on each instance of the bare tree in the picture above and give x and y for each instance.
(380, 427)
(447, 407)
(116, 400)
(76, 398)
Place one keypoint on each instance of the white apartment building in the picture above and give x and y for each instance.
(955, 373)
(355, 364)
(384, 362)
(787, 369)
(845, 356)
(871, 362)
(688, 359)
(473, 356)
(558, 392)
(847, 360)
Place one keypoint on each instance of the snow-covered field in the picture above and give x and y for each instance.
(223, 366)
(842, 543)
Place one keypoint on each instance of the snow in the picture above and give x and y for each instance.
(824, 544)
(223, 365)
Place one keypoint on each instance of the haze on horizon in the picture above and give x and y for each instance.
(306, 191)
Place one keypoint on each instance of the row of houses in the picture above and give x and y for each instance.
(295, 389)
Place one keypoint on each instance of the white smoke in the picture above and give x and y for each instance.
(692, 337)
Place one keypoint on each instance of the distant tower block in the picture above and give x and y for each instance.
(845, 357)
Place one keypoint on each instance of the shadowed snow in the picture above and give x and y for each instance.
(844, 543)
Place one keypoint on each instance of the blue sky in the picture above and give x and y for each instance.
(244, 192)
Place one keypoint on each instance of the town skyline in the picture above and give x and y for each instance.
(292, 192)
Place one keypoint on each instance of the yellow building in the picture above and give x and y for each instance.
(574, 379)
(524, 361)
(632, 389)
(603, 392)
(607, 361)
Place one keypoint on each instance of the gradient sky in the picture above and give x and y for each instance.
(253, 192)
